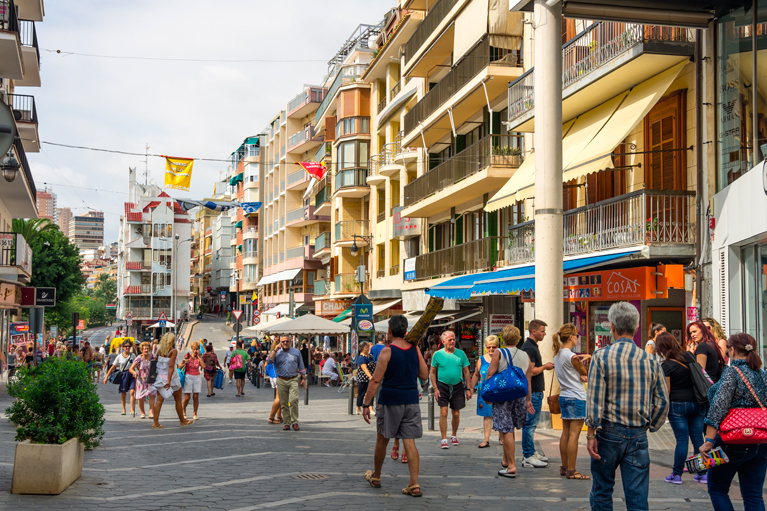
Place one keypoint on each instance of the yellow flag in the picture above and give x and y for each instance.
(178, 173)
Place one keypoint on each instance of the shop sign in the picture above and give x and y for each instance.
(410, 269)
(244, 300)
(330, 307)
(363, 317)
(615, 285)
(10, 295)
(498, 321)
(404, 226)
(692, 314)
(46, 297)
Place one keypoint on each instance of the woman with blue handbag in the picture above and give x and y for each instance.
(509, 378)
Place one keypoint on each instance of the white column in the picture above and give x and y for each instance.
(548, 171)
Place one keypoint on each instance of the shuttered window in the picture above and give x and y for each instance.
(665, 129)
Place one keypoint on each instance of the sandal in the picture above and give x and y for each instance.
(188, 423)
(562, 470)
(483, 445)
(273, 421)
(574, 474)
(143, 416)
(375, 482)
(195, 417)
(395, 453)
(157, 426)
(412, 490)
(404, 457)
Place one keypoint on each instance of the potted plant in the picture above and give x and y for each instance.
(58, 415)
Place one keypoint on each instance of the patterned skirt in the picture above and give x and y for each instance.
(509, 415)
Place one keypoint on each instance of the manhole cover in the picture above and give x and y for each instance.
(310, 477)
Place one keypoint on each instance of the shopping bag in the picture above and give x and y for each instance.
(219, 381)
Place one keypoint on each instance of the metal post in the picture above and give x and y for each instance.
(237, 279)
(306, 391)
(351, 398)
(431, 408)
(548, 169)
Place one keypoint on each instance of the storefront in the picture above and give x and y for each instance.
(10, 304)
(739, 254)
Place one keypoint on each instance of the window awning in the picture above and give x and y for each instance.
(238, 225)
(511, 281)
(412, 319)
(345, 314)
(279, 276)
(283, 309)
(378, 308)
(239, 247)
(252, 141)
(591, 138)
(236, 179)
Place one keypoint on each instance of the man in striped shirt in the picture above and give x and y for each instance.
(627, 395)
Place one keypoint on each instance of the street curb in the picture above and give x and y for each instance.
(190, 329)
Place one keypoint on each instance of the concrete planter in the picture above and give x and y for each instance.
(46, 469)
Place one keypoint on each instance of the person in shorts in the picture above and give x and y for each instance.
(192, 364)
(239, 374)
(398, 414)
(449, 372)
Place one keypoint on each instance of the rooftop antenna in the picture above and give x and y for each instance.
(145, 161)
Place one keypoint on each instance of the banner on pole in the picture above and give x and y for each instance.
(178, 173)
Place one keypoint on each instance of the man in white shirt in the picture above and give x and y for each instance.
(330, 369)
(227, 358)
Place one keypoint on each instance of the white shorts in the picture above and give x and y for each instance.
(273, 382)
(193, 384)
(333, 376)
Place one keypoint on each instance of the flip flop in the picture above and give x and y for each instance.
(188, 423)
(484, 445)
(375, 482)
(412, 490)
(158, 426)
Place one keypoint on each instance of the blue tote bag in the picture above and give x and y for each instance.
(506, 385)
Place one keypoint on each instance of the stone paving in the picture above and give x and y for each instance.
(232, 459)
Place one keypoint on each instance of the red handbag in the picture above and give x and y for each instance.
(745, 425)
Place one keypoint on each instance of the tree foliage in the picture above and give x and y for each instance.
(31, 228)
(106, 288)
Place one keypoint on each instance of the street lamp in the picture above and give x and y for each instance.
(174, 266)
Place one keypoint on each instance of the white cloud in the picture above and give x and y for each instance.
(201, 110)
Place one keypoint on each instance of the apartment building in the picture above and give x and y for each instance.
(87, 231)
(201, 259)
(153, 265)
(62, 217)
(46, 204)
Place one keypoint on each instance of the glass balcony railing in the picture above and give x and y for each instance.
(346, 75)
(322, 241)
(346, 229)
(351, 178)
(320, 287)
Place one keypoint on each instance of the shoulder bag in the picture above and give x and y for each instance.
(553, 401)
(117, 376)
(745, 425)
(236, 362)
(507, 385)
(152, 376)
(700, 381)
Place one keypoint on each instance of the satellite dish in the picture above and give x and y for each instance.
(7, 128)
(152, 181)
(372, 42)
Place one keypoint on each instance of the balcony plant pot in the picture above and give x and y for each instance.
(62, 465)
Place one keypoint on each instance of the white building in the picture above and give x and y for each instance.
(153, 256)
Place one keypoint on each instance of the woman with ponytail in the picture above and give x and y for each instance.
(748, 461)
(650, 347)
(571, 374)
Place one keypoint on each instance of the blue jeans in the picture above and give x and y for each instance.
(686, 420)
(750, 463)
(528, 432)
(627, 448)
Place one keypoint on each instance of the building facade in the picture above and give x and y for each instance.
(87, 231)
(46, 204)
(62, 217)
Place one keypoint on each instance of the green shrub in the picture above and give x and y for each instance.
(55, 402)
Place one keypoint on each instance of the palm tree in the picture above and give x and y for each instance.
(30, 228)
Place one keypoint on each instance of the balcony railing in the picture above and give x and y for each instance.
(479, 255)
(347, 228)
(313, 95)
(295, 253)
(347, 283)
(282, 221)
(380, 274)
(495, 150)
(276, 225)
(282, 257)
(250, 253)
(395, 90)
(322, 196)
(143, 289)
(351, 178)
(346, 75)
(323, 151)
(146, 312)
(381, 217)
(427, 27)
(596, 46)
(296, 214)
(394, 270)
(644, 217)
(320, 287)
(282, 185)
(470, 65)
(28, 36)
(381, 105)
(297, 176)
(385, 157)
(25, 106)
(8, 16)
(14, 251)
(301, 136)
(137, 265)
(21, 155)
(322, 241)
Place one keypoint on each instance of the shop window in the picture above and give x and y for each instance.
(664, 131)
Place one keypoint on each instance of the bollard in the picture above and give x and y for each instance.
(306, 393)
(351, 398)
(431, 408)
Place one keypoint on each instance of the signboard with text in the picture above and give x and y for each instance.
(410, 269)
(363, 318)
(46, 297)
(498, 321)
(331, 307)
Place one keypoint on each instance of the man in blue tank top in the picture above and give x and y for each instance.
(398, 414)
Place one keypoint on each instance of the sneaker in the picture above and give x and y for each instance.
(454, 440)
(230, 382)
(443, 444)
(540, 457)
(533, 462)
(701, 479)
(674, 479)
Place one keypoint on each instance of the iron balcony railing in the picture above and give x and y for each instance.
(351, 178)
(8, 16)
(380, 274)
(394, 270)
(596, 46)
(28, 36)
(427, 27)
(23, 107)
(312, 95)
(469, 66)
(395, 90)
(322, 196)
(479, 255)
(495, 150)
(296, 214)
(345, 230)
(346, 75)
(396, 205)
(14, 251)
(21, 155)
(381, 105)
(381, 217)
(295, 253)
(322, 241)
(643, 217)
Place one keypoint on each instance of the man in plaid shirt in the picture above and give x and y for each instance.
(627, 395)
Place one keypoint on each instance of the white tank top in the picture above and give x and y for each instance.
(569, 378)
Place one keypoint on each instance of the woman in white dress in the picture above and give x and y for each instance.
(168, 383)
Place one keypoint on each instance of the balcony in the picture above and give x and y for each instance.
(25, 112)
(383, 165)
(300, 252)
(304, 140)
(322, 243)
(381, 105)
(322, 201)
(347, 283)
(321, 288)
(304, 216)
(481, 168)
(323, 151)
(381, 217)
(250, 254)
(19, 195)
(663, 220)
(306, 102)
(346, 75)
(30, 53)
(147, 313)
(298, 180)
(351, 183)
(137, 266)
(346, 230)
(611, 56)
(143, 289)
(250, 233)
(11, 57)
(463, 90)
(474, 256)
(15, 257)
(394, 270)
(427, 27)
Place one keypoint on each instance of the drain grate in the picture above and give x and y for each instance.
(310, 477)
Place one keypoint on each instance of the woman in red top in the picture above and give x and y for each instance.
(192, 366)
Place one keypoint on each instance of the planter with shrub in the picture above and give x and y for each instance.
(58, 415)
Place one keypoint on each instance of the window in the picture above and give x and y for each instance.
(665, 131)
(347, 155)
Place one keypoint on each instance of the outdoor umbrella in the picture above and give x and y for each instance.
(261, 327)
(309, 325)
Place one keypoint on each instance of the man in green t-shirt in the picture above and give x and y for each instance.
(239, 374)
(449, 371)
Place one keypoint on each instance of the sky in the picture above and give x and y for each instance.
(190, 109)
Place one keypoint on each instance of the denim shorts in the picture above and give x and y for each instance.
(572, 408)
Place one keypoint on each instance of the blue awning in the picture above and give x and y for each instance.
(512, 281)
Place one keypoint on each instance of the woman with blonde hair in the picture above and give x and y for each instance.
(168, 383)
(718, 332)
(571, 374)
(485, 410)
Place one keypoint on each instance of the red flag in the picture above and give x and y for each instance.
(316, 170)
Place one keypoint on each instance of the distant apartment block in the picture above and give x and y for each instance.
(87, 231)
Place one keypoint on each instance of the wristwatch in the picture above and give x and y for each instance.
(365, 406)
